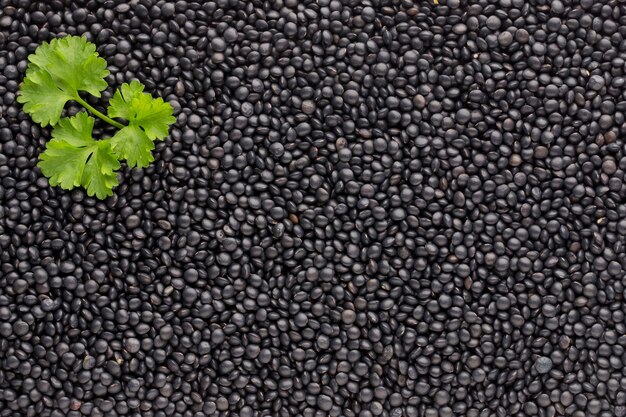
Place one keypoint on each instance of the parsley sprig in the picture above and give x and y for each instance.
(62, 70)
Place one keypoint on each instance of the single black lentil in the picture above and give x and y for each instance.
(366, 208)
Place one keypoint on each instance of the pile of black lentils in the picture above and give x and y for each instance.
(366, 208)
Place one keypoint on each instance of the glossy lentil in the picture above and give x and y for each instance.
(365, 208)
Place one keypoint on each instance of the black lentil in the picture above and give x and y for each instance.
(365, 208)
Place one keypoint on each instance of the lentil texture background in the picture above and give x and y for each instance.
(366, 208)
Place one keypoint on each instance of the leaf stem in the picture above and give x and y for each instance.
(97, 113)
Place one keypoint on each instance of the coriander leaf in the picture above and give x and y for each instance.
(99, 174)
(72, 158)
(42, 99)
(56, 73)
(63, 163)
(72, 62)
(119, 105)
(76, 130)
(132, 144)
(153, 115)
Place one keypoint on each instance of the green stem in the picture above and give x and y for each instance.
(97, 113)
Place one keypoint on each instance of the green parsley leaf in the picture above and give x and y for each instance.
(57, 72)
(73, 158)
(63, 163)
(132, 144)
(42, 99)
(73, 62)
(148, 120)
(153, 115)
(99, 175)
(76, 131)
(120, 103)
